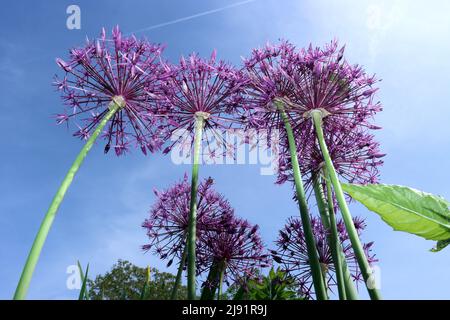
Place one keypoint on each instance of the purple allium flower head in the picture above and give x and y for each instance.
(355, 155)
(266, 81)
(123, 69)
(309, 79)
(199, 87)
(168, 222)
(239, 246)
(291, 252)
(305, 80)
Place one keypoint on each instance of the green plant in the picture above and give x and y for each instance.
(277, 285)
(126, 281)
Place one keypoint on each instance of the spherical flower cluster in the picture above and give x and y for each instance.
(199, 88)
(121, 70)
(304, 80)
(167, 225)
(292, 254)
(238, 246)
(266, 81)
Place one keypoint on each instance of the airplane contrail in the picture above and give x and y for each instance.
(197, 15)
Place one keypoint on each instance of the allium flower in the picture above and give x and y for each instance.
(123, 69)
(198, 87)
(305, 80)
(168, 223)
(291, 253)
(238, 246)
(266, 81)
(285, 91)
(355, 155)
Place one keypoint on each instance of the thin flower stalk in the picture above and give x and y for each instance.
(332, 236)
(222, 274)
(33, 256)
(318, 278)
(199, 98)
(350, 290)
(192, 221)
(358, 248)
(291, 253)
(181, 266)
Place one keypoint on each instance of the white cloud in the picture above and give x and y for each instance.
(380, 19)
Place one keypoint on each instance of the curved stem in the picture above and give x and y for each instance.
(47, 222)
(192, 221)
(332, 238)
(348, 221)
(350, 290)
(176, 285)
(313, 256)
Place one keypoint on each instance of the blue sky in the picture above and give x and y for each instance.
(405, 43)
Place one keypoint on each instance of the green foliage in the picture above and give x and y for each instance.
(126, 281)
(406, 209)
(277, 285)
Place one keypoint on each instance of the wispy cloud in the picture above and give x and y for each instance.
(380, 19)
(194, 16)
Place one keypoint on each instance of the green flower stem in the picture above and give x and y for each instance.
(192, 221)
(222, 273)
(319, 285)
(320, 199)
(176, 285)
(332, 239)
(213, 280)
(348, 221)
(33, 256)
(324, 269)
(208, 291)
(350, 289)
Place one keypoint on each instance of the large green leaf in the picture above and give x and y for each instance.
(406, 209)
